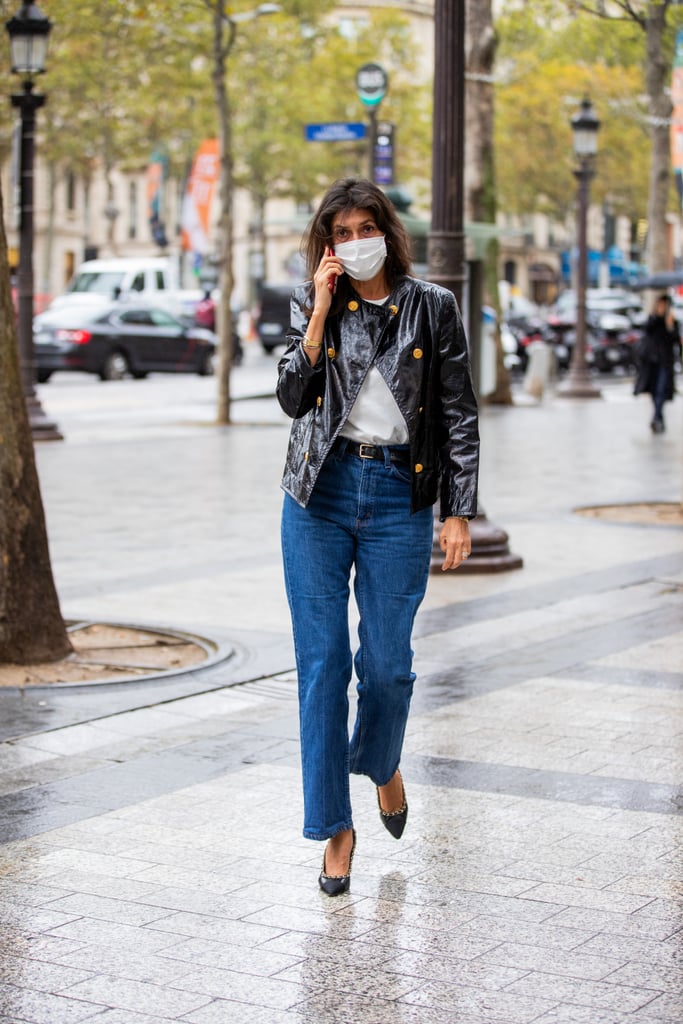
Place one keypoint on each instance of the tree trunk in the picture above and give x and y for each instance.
(481, 191)
(224, 312)
(31, 625)
(657, 71)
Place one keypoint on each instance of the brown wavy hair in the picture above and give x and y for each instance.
(357, 194)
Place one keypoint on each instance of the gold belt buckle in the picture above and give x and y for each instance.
(361, 455)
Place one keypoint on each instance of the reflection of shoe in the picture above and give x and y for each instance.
(335, 885)
(395, 821)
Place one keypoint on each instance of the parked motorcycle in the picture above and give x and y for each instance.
(610, 343)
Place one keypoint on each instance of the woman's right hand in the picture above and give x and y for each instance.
(328, 270)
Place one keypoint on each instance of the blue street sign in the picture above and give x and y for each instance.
(334, 132)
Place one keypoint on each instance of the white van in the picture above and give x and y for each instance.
(153, 279)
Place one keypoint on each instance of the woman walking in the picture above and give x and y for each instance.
(660, 347)
(376, 379)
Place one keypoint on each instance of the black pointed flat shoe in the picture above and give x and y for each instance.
(335, 885)
(394, 821)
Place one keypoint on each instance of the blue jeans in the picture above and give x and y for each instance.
(358, 518)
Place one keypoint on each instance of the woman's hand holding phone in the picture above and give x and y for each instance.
(325, 280)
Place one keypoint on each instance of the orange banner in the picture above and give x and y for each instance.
(198, 198)
(677, 115)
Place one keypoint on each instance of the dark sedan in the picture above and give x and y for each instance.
(120, 340)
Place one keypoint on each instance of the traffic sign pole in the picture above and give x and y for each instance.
(372, 114)
(372, 83)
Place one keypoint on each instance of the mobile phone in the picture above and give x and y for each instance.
(332, 279)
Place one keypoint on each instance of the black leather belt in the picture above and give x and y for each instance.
(401, 456)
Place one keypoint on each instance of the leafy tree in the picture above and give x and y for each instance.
(651, 17)
(551, 54)
(275, 104)
(536, 107)
(272, 156)
(261, 133)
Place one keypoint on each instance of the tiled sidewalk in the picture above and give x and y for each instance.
(539, 879)
(151, 864)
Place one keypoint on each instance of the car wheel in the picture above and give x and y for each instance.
(44, 376)
(114, 367)
(206, 365)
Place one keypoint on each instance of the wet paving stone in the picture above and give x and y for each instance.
(151, 862)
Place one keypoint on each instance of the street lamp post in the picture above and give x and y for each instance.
(28, 31)
(446, 240)
(585, 128)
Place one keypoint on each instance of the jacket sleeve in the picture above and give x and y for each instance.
(298, 383)
(459, 428)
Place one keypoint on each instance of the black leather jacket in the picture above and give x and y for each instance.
(417, 342)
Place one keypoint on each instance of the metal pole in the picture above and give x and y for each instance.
(41, 428)
(446, 241)
(578, 383)
(372, 142)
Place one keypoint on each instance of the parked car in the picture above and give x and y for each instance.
(598, 301)
(119, 340)
(272, 315)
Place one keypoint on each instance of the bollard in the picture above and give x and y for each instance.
(538, 370)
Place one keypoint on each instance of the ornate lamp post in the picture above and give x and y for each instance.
(28, 31)
(585, 128)
(446, 240)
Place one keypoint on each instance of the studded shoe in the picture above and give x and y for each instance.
(394, 821)
(335, 885)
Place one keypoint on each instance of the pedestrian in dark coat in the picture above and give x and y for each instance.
(659, 348)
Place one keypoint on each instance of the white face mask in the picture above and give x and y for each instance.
(363, 257)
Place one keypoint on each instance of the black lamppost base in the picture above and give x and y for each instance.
(490, 550)
(42, 429)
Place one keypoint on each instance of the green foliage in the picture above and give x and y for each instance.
(126, 77)
(272, 104)
(549, 59)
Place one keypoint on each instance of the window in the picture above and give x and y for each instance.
(97, 281)
(160, 318)
(136, 316)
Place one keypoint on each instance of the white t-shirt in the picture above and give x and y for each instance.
(375, 418)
